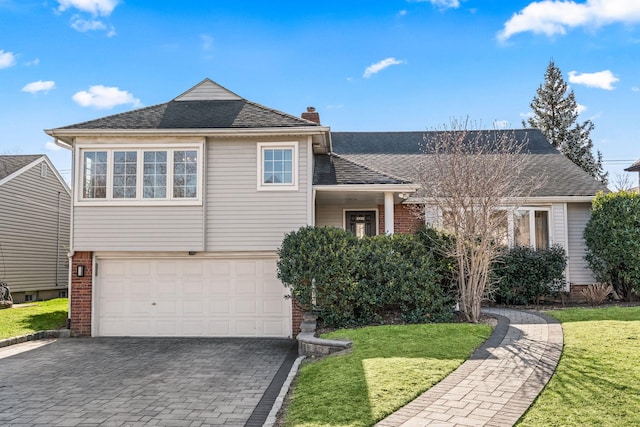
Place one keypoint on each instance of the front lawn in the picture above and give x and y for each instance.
(40, 316)
(597, 381)
(389, 367)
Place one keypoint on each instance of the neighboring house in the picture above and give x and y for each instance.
(635, 168)
(34, 228)
(179, 208)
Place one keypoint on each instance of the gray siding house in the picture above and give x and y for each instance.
(179, 208)
(34, 228)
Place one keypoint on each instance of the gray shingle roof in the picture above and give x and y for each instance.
(13, 163)
(205, 114)
(334, 170)
(397, 154)
(635, 167)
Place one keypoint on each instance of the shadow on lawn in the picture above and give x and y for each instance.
(45, 321)
(383, 372)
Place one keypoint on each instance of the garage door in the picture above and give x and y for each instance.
(190, 297)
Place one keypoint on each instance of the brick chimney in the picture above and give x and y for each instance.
(311, 114)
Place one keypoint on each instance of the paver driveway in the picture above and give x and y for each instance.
(139, 381)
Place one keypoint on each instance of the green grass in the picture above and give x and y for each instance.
(597, 382)
(41, 316)
(389, 367)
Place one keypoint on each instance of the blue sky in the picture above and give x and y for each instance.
(364, 65)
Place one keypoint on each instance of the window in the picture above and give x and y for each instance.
(141, 175)
(154, 175)
(94, 185)
(521, 227)
(185, 173)
(124, 174)
(531, 228)
(277, 166)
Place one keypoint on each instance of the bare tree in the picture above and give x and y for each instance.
(623, 182)
(470, 177)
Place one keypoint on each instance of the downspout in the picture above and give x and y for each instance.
(58, 242)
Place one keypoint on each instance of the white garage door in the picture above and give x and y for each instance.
(190, 297)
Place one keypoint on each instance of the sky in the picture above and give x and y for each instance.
(387, 65)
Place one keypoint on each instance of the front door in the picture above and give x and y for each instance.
(362, 223)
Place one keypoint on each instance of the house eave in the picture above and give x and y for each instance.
(521, 201)
(68, 136)
(368, 187)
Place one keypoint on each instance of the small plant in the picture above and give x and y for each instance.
(597, 293)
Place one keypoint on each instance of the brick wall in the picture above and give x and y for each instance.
(80, 316)
(405, 219)
(575, 293)
(296, 317)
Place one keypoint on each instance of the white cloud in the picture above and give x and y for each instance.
(601, 80)
(100, 96)
(7, 59)
(441, 4)
(635, 89)
(334, 106)
(526, 116)
(83, 25)
(51, 146)
(94, 7)
(581, 108)
(403, 12)
(550, 17)
(35, 62)
(39, 86)
(381, 65)
(207, 42)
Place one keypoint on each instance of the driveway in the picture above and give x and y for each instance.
(143, 382)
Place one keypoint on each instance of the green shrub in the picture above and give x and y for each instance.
(612, 236)
(351, 281)
(524, 274)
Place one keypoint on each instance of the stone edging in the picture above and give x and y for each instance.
(310, 345)
(40, 335)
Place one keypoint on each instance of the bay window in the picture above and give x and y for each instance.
(141, 175)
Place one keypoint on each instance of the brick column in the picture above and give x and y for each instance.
(81, 292)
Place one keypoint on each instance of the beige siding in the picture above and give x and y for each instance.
(238, 216)
(32, 246)
(329, 216)
(558, 225)
(138, 228)
(578, 215)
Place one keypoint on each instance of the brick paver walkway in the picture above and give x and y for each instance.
(498, 383)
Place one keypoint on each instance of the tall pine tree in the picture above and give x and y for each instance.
(555, 113)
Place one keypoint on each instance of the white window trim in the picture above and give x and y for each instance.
(261, 185)
(532, 224)
(109, 200)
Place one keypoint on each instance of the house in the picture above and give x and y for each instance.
(178, 210)
(635, 167)
(34, 228)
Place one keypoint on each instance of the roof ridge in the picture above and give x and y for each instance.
(369, 168)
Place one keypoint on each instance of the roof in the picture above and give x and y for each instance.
(205, 106)
(397, 154)
(335, 170)
(13, 163)
(634, 167)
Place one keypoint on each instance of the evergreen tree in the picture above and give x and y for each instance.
(555, 113)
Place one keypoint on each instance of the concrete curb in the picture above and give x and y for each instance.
(40, 335)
